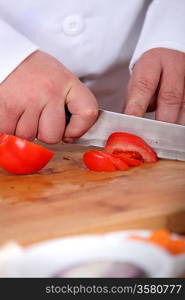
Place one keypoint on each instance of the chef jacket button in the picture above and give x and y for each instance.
(73, 25)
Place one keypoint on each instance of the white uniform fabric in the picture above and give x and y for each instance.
(96, 39)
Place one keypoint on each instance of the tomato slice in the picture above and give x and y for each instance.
(19, 156)
(100, 161)
(129, 158)
(97, 161)
(130, 145)
(119, 163)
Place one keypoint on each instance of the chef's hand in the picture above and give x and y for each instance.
(33, 97)
(158, 82)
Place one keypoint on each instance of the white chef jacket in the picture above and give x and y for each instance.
(98, 40)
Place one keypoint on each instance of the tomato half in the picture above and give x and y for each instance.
(132, 146)
(19, 156)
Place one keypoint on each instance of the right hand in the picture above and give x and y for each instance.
(33, 99)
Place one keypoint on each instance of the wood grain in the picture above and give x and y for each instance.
(66, 199)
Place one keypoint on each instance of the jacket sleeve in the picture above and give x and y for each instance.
(164, 26)
(14, 48)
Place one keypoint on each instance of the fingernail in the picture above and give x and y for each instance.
(68, 140)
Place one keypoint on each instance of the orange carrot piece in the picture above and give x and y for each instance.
(160, 237)
(176, 246)
(163, 238)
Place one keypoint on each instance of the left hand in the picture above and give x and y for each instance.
(158, 82)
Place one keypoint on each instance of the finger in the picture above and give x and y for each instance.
(142, 86)
(170, 95)
(84, 109)
(181, 119)
(27, 125)
(9, 116)
(153, 102)
(52, 122)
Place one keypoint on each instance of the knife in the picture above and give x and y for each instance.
(166, 139)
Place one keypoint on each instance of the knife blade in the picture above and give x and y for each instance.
(167, 140)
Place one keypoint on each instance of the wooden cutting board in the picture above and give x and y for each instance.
(65, 199)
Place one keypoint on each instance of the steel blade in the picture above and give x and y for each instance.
(168, 140)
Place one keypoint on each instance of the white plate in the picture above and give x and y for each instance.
(48, 258)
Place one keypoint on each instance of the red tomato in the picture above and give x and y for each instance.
(129, 158)
(119, 163)
(131, 145)
(98, 161)
(19, 156)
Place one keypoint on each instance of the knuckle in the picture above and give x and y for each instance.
(58, 88)
(11, 108)
(51, 88)
(143, 85)
(171, 97)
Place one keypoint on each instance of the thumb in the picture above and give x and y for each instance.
(83, 107)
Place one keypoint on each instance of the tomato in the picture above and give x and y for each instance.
(129, 158)
(98, 161)
(19, 156)
(118, 162)
(122, 150)
(132, 146)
